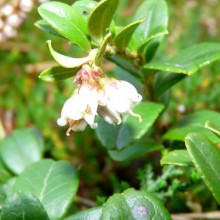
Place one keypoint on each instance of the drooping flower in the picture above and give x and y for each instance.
(97, 94)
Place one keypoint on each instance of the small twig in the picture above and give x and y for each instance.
(84, 201)
(197, 216)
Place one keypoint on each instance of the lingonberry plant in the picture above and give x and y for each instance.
(124, 111)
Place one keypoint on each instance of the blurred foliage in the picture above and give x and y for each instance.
(26, 101)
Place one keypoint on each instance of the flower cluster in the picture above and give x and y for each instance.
(97, 94)
(12, 15)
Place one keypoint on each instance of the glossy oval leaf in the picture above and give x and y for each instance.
(214, 127)
(57, 73)
(134, 205)
(134, 151)
(156, 20)
(189, 60)
(100, 19)
(205, 156)
(88, 214)
(177, 157)
(124, 35)
(19, 150)
(23, 206)
(66, 61)
(44, 26)
(132, 129)
(53, 183)
(85, 7)
(67, 21)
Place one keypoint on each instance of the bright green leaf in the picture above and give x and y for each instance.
(155, 23)
(88, 214)
(66, 61)
(205, 156)
(193, 122)
(189, 60)
(177, 157)
(132, 129)
(140, 148)
(214, 127)
(123, 37)
(67, 21)
(44, 26)
(23, 206)
(84, 7)
(134, 205)
(19, 150)
(57, 73)
(53, 183)
(100, 19)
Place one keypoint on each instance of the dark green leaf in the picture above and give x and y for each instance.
(133, 205)
(132, 129)
(107, 133)
(123, 37)
(164, 81)
(124, 64)
(20, 149)
(88, 214)
(205, 156)
(155, 23)
(53, 183)
(67, 21)
(100, 19)
(44, 26)
(140, 148)
(189, 60)
(193, 122)
(57, 73)
(177, 157)
(23, 206)
(213, 126)
(4, 173)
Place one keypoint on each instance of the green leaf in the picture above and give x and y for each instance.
(163, 81)
(140, 148)
(193, 122)
(88, 214)
(84, 7)
(214, 127)
(177, 157)
(44, 26)
(189, 60)
(67, 21)
(123, 37)
(57, 73)
(20, 149)
(205, 156)
(132, 129)
(100, 19)
(4, 173)
(133, 205)
(155, 23)
(23, 206)
(101, 51)
(53, 183)
(66, 61)
(107, 133)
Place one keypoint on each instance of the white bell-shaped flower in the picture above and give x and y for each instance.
(79, 109)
